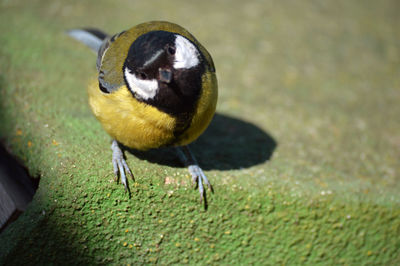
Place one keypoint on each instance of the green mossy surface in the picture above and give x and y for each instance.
(303, 154)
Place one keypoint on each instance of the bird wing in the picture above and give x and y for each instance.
(110, 76)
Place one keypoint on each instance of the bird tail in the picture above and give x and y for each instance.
(92, 38)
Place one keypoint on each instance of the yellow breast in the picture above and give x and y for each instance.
(141, 126)
(132, 123)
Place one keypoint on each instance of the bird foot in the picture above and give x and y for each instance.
(120, 165)
(198, 178)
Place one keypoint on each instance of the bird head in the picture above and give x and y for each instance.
(164, 69)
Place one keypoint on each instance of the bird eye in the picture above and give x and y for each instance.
(142, 75)
(171, 50)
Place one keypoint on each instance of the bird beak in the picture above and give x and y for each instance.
(165, 75)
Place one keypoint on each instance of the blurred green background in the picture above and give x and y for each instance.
(303, 153)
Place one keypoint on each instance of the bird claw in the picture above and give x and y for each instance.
(198, 178)
(120, 166)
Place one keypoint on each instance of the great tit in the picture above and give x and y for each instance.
(156, 87)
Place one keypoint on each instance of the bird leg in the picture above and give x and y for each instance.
(120, 165)
(198, 176)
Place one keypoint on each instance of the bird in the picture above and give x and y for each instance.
(155, 86)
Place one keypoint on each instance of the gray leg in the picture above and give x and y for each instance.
(120, 165)
(198, 176)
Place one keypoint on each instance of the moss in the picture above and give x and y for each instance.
(303, 153)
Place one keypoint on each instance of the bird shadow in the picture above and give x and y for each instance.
(227, 144)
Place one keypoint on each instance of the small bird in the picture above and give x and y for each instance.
(156, 87)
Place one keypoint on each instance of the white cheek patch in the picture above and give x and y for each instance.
(186, 54)
(145, 89)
